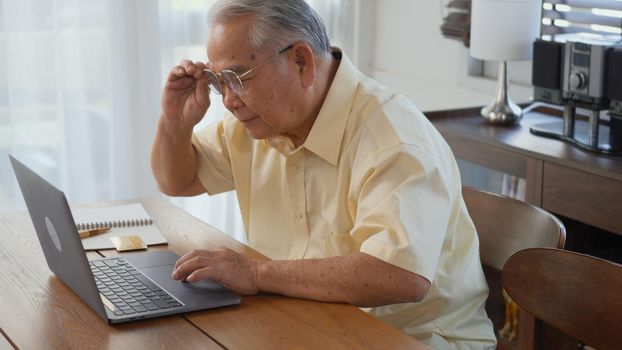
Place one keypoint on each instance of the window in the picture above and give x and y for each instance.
(601, 17)
(63, 89)
(571, 16)
(558, 17)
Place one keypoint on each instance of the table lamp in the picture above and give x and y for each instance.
(504, 30)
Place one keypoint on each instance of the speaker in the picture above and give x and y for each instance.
(614, 75)
(546, 71)
(614, 92)
(547, 61)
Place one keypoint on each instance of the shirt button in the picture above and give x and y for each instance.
(299, 214)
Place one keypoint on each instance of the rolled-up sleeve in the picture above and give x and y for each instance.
(214, 164)
(403, 209)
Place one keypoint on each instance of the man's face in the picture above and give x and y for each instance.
(272, 101)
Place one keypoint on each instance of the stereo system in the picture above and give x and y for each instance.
(581, 70)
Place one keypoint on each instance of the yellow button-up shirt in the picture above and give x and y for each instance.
(373, 176)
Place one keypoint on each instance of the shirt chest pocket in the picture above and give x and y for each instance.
(336, 238)
(339, 244)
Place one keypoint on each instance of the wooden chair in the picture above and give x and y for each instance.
(578, 294)
(505, 226)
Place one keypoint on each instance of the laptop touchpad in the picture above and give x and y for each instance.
(187, 292)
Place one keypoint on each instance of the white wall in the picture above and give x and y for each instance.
(412, 56)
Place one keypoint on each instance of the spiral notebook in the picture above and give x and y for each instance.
(125, 220)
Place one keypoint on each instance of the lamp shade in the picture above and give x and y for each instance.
(504, 30)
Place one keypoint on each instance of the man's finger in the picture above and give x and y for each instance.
(191, 265)
(199, 70)
(179, 72)
(183, 259)
(213, 272)
(192, 68)
(190, 255)
(186, 64)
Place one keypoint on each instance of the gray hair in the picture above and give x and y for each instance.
(277, 23)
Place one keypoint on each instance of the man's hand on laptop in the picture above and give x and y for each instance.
(232, 270)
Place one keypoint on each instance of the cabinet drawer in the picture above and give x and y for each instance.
(583, 196)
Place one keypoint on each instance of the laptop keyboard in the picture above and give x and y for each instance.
(128, 289)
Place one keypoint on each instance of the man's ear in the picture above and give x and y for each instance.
(305, 62)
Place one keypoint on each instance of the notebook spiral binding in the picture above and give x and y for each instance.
(113, 224)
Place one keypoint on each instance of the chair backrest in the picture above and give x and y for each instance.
(578, 294)
(506, 225)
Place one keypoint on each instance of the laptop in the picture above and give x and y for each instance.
(120, 289)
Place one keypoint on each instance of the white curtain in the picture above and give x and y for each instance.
(79, 82)
(340, 19)
(80, 85)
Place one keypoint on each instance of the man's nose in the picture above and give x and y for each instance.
(230, 99)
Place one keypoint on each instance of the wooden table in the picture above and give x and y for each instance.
(37, 311)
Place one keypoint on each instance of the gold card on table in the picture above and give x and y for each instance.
(126, 243)
(123, 220)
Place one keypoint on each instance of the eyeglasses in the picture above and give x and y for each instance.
(232, 79)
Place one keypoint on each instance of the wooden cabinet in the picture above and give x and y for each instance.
(560, 177)
(577, 194)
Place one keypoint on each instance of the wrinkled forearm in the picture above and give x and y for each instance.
(359, 279)
(173, 159)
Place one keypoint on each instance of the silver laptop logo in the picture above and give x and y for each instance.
(53, 234)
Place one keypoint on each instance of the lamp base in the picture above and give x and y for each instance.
(502, 110)
(508, 113)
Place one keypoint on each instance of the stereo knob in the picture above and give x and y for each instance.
(578, 81)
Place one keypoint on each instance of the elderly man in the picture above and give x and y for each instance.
(343, 183)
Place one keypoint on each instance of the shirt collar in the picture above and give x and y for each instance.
(327, 131)
(325, 136)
